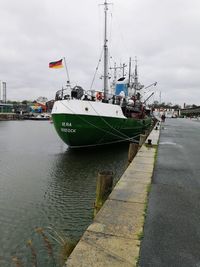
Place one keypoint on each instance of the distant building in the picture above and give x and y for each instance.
(169, 112)
(6, 108)
(190, 111)
(2, 92)
(38, 107)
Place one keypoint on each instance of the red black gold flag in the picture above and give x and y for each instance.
(56, 64)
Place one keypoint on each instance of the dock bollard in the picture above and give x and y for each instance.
(149, 142)
(103, 189)
(133, 149)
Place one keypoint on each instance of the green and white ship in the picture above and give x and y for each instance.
(94, 118)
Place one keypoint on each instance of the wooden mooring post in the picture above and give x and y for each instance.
(142, 139)
(133, 149)
(103, 189)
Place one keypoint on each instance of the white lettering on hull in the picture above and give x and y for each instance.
(66, 130)
(66, 124)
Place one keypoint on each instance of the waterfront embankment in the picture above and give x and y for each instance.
(113, 239)
(9, 116)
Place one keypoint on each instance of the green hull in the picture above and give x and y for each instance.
(87, 130)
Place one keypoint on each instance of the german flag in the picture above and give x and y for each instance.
(56, 64)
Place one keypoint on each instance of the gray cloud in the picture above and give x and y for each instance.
(164, 35)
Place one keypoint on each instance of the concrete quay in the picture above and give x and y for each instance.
(7, 116)
(113, 239)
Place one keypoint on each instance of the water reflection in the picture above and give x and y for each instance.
(72, 184)
(44, 183)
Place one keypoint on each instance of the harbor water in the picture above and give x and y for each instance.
(47, 191)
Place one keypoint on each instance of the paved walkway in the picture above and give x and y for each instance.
(172, 226)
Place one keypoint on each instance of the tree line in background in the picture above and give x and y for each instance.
(40, 99)
(169, 105)
(157, 104)
(23, 102)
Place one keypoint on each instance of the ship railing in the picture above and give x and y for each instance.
(78, 92)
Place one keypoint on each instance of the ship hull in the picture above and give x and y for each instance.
(89, 128)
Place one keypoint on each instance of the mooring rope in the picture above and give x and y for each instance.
(103, 130)
(126, 136)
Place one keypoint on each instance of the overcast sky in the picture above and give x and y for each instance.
(163, 35)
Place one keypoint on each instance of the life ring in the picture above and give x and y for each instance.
(99, 96)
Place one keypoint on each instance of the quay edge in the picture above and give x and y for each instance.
(9, 116)
(113, 239)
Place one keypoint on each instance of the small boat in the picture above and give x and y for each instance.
(39, 117)
(91, 118)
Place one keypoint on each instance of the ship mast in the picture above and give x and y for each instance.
(129, 74)
(105, 53)
(136, 77)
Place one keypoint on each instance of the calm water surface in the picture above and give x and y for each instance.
(45, 184)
